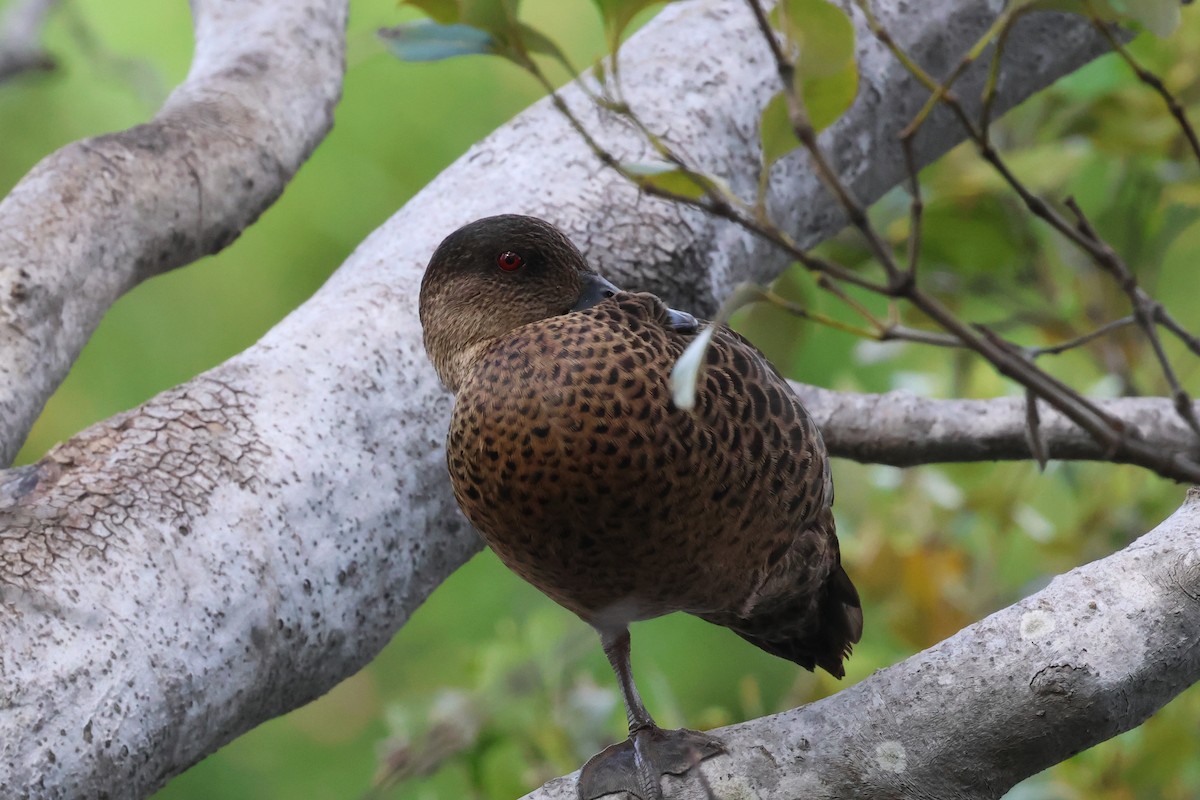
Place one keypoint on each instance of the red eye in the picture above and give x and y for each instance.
(509, 261)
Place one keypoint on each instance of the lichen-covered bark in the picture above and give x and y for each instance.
(161, 462)
(1091, 655)
(97, 217)
(148, 612)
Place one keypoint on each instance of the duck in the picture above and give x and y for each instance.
(567, 452)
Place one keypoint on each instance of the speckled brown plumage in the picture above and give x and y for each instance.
(567, 453)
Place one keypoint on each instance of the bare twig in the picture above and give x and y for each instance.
(719, 204)
(1146, 311)
(989, 91)
(1153, 81)
(1033, 430)
(987, 151)
(880, 331)
(1003, 355)
(916, 208)
(1079, 341)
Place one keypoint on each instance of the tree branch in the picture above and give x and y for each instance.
(1090, 656)
(236, 546)
(902, 429)
(99, 216)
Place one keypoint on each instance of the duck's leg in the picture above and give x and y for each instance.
(637, 764)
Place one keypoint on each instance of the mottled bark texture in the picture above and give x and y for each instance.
(236, 546)
(97, 217)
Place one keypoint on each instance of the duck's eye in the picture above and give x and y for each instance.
(509, 261)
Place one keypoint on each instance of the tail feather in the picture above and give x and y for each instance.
(823, 639)
(841, 623)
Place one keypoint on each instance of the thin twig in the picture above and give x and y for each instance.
(993, 81)
(891, 330)
(880, 331)
(998, 26)
(719, 205)
(916, 208)
(768, 33)
(1079, 341)
(1005, 356)
(1033, 430)
(1035, 204)
(1145, 310)
(1150, 79)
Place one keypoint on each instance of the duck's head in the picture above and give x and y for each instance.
(494, 275)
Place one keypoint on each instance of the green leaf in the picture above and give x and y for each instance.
(775, 129)
(426, 40)
(828, 96)
(823, 40)
(617, 14)
(537, 42)
(444, 11)
(822, 33)
(494, 16)
(670, 178)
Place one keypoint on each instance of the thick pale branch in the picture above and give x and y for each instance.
(236, 546)
(903, 430)
(1093, 654)
(98, 216)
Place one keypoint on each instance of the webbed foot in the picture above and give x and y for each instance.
(637, 764)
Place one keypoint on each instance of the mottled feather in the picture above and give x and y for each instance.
(566, 452)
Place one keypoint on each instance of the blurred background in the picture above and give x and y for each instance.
(491, 689)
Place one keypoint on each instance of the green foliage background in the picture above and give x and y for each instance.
(491, 687)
